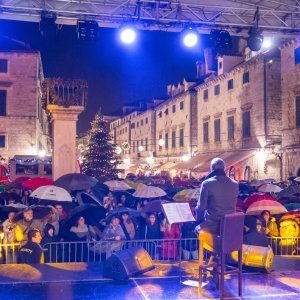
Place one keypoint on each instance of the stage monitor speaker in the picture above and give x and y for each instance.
(126, 263)
(256, 258)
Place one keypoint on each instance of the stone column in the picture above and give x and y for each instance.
(64, 157)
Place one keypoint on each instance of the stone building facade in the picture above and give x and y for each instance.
(290, 83)
(239, 111)
(246, 112)
(23, 122)
(134, 134)
(176, 125)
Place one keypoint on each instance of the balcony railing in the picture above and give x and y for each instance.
(63, 92)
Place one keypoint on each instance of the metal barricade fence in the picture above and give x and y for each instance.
(285, 246)
(9, 253)
(159, 250)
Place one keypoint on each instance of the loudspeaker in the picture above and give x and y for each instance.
(256, 258)
(123, 264)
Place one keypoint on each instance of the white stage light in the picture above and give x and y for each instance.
(128, 34)
(190, 37)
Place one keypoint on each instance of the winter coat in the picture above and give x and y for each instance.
(218, 197)
(169, 249)
(151, 231)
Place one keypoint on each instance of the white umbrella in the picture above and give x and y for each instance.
(117, 185)
(149, 192)
(269, 188)
(51, 192)
(17, 205)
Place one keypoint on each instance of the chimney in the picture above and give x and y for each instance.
(200, 67)
(209, 58)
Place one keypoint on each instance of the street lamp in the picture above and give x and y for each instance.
(42, 153)
(186, 157)
(127, 161)
(161, 142)
(150, 160)
(118, 150)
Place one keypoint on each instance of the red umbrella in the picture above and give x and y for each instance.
(272, 206)
(5, 181)
(256, 197)
(34, 183)
(21, 179)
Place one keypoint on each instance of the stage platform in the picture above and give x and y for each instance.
(167, 281)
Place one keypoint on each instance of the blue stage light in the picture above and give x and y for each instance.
(128, 34)
(190, 37)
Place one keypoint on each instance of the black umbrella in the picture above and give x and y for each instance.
(75, 182)
(130, 199)
(121, 210)
(154, 206)
(91, 212)
(90, 199)
(39, 212)
(13, 207)
(246, 188)
(100, 190)
(292, 190)
(289, 199)
(5, 210)
(10, 195)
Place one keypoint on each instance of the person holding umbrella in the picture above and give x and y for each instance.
(269, 225)
(113, 232)
(24, 225)
(9, 238)
(81, 231)
(254, 235)
(9, 229)
(127, 226)
(151, 231)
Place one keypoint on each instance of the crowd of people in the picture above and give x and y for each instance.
(40, 239)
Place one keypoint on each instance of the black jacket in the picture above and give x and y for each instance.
(255, 238)
(30, 253)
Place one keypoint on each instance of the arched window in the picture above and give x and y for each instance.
(232, 172)
(247, 173)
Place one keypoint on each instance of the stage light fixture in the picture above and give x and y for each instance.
(221, 39)
(127, 34)
(47, 25)
(267, 43)
(87, 30)
(190, 37)
(255, 39)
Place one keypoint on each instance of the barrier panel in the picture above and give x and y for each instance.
(159, 250)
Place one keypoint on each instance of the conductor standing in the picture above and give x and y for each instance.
(218, 197)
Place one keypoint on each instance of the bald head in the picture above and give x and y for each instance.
(217, 164)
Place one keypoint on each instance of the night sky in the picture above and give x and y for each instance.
(116, 73)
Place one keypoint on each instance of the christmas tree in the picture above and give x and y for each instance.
(100, 159)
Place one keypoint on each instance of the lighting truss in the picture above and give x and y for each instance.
(275, 16)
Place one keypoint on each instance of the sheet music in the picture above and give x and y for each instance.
(178, 212)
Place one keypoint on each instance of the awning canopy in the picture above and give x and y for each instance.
(231, 158)
(167, 166)
(196, 161)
